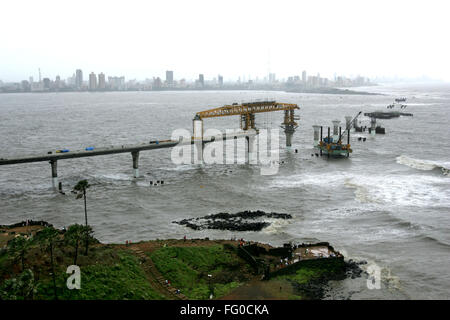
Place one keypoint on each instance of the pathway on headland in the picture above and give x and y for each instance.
(156, 279)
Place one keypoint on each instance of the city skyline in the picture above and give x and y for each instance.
(98, 82)
(233, 38)
(39, 72)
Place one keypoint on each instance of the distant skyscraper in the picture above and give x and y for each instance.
(46, 82)
(101, 81)
(157, 83)
(116, 83)
(304, 79)
(220, 80)
(169, 77)
(79, 79)
(25, 85)
(92, 81)
(271, 77)
(201, 80)
(58, 82)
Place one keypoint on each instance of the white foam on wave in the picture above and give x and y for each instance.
(404, 190)
(275, 225)
(362, 193)
(411, 190)
(183, 167)
(114, 176)
(321, 179)
(425, 165)
(387, 278)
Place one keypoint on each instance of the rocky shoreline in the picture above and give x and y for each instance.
(316, 289)
(27, 223)
(240, 221)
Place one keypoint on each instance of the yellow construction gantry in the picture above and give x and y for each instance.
(247, 113)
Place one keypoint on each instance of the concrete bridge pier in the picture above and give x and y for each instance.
(336, 130)
(199, 146)
(289, 132)
(135, 155)
(317, 130)
(348, 122)
(289, 125)
(373, 125)
(197, 124)
(355, 123)
(251, 149)
(54, 164)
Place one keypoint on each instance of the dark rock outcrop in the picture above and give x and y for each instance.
(241, 221)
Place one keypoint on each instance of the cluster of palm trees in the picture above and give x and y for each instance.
(47, 239)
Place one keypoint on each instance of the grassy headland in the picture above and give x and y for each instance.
(157, 269)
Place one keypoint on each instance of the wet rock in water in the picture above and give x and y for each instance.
(241, 221)
(353, 269)
(318, 288)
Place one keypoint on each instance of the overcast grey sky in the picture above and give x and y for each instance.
(141, 39)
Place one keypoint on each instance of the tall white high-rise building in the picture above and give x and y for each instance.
(101, 81)
(92, 81)
(78, 79)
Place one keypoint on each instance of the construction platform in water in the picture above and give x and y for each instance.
(332, 145)
(387, 114)
(248, 130)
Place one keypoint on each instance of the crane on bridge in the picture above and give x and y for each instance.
(247, 112)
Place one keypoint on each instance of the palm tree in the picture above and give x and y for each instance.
(48, 238)
(80, 189)
(18, 248)
(73, 236)
(22, 287)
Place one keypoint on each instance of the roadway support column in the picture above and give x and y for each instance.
(355, 123)
(316, 135)
(289, 126)
(328, 144)
(289, 132)
(348, 122)
(198, 139)
(373, 125)
(348, 141)
(251, 149)
(336, 130)
(321, 138)
(135, 155)
(54, 164)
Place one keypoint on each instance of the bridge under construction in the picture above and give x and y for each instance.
(246, 111)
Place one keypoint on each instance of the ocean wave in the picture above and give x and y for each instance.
(426, 165)
(372, 268)
(430, 239)
(387, 278)
(182, 167)
(319, 180)
(394, 189)
(112, 177)
(275, 226)
(362, 193)
(411, 190)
